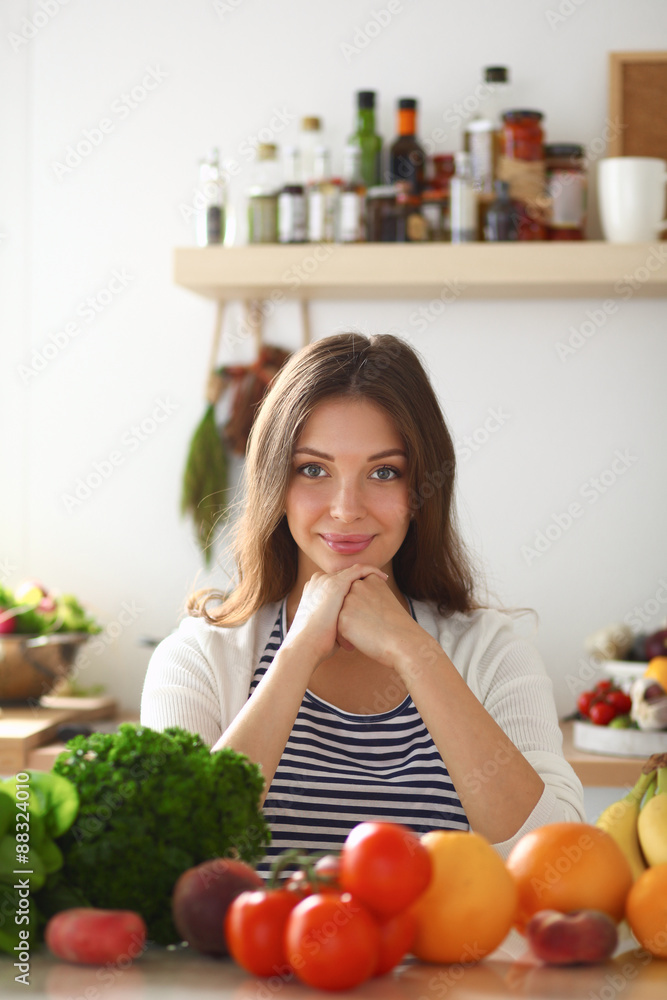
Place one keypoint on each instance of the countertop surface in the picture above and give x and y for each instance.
(181, 974)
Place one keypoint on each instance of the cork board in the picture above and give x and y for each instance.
(638, 100)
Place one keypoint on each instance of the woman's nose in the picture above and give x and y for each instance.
(348, 502)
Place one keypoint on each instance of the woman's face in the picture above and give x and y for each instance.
(347, 499)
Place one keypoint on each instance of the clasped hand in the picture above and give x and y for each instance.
(353, 609)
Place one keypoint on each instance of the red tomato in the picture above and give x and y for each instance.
(255, 929)
(328, 867)
(603, 685)
(331, 941)
(585, 700)
(327, 871)
(397, 934)
(385, 865)
(602, 713)
(298, 884)
(619, 701)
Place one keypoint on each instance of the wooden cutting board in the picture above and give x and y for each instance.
(23, 729)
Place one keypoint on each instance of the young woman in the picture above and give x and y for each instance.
(352, 660)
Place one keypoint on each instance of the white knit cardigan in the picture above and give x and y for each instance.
(199, 678)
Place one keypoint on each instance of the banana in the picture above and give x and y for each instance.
(652, 822)
(619, 820)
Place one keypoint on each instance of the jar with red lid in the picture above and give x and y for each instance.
(521, 164)
(523, 138)
(566, 189)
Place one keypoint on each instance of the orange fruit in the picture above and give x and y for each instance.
(646, 910)
(657, 670)
(569, 866)
(469, 906)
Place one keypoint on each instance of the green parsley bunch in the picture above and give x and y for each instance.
(151, 806)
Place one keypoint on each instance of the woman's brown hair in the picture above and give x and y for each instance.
(432, 563)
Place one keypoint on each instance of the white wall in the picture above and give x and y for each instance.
(220, 72)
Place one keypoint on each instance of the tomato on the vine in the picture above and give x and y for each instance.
(602, 713)
(331, 941)
(328, 867)
(585, 700)
(255, 925)
(620, 701)
(385, 865)
(325, 877)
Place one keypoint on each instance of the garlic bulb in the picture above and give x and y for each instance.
(611, 642)
(650, 715)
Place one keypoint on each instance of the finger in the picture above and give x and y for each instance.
(344, 644)
(360, 570)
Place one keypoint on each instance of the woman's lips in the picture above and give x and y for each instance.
(348, 543)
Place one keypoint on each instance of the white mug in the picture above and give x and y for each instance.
(631, 198)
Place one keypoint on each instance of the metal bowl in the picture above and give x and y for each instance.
(30, 665)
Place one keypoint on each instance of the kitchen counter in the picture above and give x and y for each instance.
(180, 974)
(592, 769)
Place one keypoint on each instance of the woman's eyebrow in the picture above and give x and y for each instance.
(330, 458)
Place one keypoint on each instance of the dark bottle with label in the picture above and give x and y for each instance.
(406, 156)
(367, 140)
(500, 224)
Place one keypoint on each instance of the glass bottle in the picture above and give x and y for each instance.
(483, 138)
(367, 139)
(406, 156)
(292, 201)
(501, 221)
(435, 198)
(263, 196)
(352, 215)
(322, 194)
(210, 217)
(310, 137)
(463, 202)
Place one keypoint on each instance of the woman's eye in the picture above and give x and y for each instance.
(395, 474)
(307, 469)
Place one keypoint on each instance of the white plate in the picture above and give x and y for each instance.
(618, 742)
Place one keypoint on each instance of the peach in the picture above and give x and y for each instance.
(581, 937)
(201, 898)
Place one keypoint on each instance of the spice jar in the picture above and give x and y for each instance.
(443, 169)
(435, 211)
(566, 189)
(381, 214)
(411, 226)
(522, 165)
(522, 135)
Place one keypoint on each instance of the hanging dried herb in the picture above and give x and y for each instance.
(250, 385)
(205, 481)
(205, 478)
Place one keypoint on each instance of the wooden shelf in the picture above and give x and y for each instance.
(600, 769)
(418, 271)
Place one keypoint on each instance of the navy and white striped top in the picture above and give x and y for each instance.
(339, 769)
